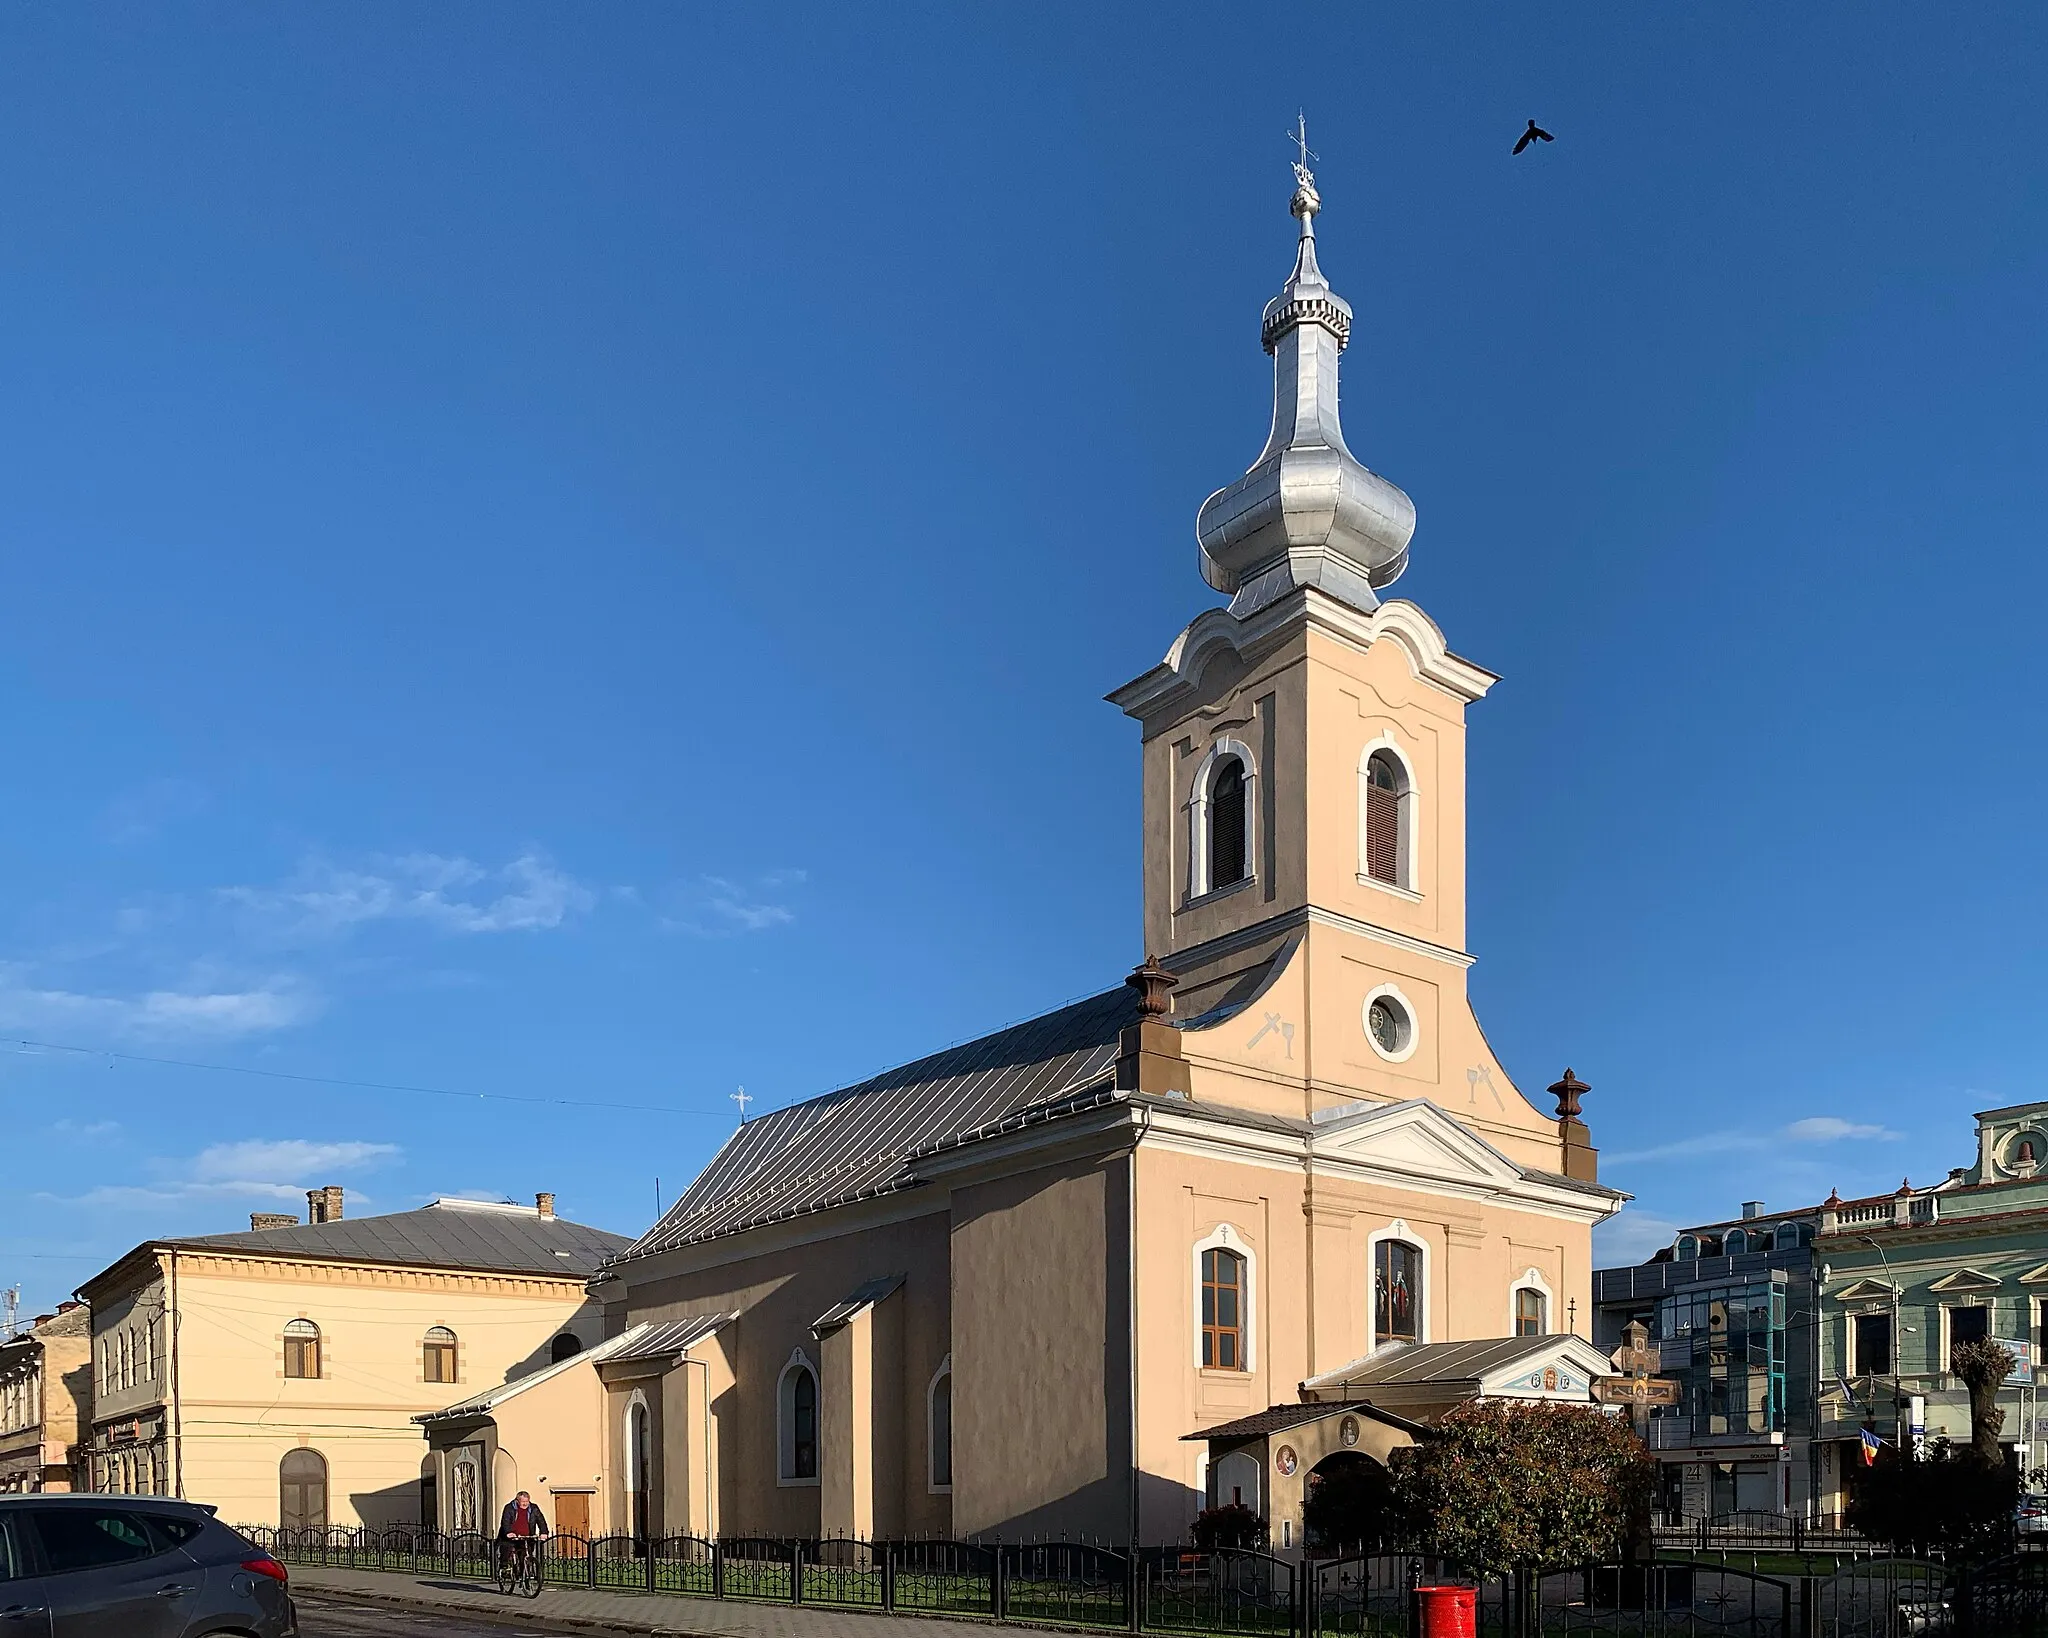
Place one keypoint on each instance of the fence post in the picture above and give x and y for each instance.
(1135, 1598)
(647, 1564)
(796, 1572)
(718, 1566)
(998, 1593)
(589, 1562)
(888, 1576)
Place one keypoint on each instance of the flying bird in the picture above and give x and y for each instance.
(1535, 133)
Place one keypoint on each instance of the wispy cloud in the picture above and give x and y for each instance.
(198, 1012)
(252, 1169)
(450, 893)
(1630, 1237)
(1813, 1129)
(718, 906)
(87, 1128)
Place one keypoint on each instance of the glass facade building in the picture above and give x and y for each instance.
(1726, 1345)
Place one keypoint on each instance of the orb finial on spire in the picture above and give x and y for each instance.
(1308, 513)
(1306, 201)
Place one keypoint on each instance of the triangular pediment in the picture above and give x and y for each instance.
(2037, 1275)
(1415, 1139)
(1566, 1370)
(1864, 1291)
(1965, 1279)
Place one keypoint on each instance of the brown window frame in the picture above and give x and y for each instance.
(439, 1355)
(1541, 1316)
(1223, 1341)
(302, 1350)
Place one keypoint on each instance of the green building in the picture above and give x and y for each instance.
(1902, 1278)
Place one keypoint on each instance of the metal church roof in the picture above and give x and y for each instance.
(852, 1144)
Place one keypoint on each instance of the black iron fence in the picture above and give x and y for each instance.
(1695, 1593)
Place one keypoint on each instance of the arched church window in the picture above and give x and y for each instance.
(1397, 1292)
(1227, 829)
(939, 1417)
(797, 1414)
(1386, 790)
(1223, 1313)
(1531, 1312)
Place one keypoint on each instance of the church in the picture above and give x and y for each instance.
(1270, 1199)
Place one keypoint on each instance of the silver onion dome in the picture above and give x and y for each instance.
(1308, 512)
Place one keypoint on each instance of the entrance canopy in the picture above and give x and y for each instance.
(1425, 1382)
(1264, 1460)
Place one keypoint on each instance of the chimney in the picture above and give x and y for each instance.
(1752, 1208)
(545, 1204)
(261, 1220)
(324, 1205)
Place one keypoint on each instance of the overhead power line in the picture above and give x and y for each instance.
(29, 1048)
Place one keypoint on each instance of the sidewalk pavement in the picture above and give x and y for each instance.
(659, 1615)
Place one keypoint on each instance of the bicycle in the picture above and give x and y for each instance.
(519, 1566)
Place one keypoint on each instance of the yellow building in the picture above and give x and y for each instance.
(275, 1373)
(45, 1398)
(1013, 1286)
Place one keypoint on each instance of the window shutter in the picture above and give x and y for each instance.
(1227, 863)
(1382, 835)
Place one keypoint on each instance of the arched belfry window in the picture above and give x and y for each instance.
(1386, 818)
(1227, 862)
(1220, 815)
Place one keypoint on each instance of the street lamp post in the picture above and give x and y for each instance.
(1898, 1341)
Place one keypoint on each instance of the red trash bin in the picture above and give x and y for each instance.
(1446, 1612)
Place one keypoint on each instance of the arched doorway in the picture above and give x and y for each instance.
(430, 1493)
(302, 1490)
(637, 1485)
(1348, 1503)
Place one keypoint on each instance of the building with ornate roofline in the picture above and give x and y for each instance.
(992, 1291)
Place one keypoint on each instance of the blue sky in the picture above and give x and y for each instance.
(573, 554)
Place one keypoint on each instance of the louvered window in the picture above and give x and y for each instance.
(1383, 819)
(1227, 862)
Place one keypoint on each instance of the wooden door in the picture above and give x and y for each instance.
(572, 1518)
(302, 1487)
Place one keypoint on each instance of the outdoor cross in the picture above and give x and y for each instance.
(1299, 137)
(1634, 1384)
(742, 1097)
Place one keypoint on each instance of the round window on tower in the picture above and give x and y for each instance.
(1390, 1023)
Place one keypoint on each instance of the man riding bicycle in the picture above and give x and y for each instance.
(522, 1527)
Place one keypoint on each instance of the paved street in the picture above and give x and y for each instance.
(325, 1616)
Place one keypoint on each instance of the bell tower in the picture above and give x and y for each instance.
(1303, 767)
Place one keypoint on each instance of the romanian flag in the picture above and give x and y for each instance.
(1870, 1443)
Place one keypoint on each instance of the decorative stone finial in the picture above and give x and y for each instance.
(1308, 513)
(1905, 1185)
(1834, 1199)
(1568, 1092)
(1153, 984)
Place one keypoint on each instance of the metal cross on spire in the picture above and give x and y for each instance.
(1299, 137)
(1306, 200)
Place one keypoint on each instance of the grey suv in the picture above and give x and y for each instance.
(133, 1567)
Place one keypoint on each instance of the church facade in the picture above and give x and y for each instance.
(1006, 1289)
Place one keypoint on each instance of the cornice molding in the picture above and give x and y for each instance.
(1288, 921)
(1175, 684)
